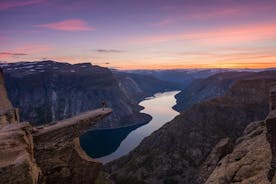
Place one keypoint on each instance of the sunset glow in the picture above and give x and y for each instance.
(145, 34)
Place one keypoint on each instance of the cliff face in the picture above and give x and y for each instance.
(17, 162)
(49, 91)
(250, 160)
(182, 151)
(47, 154)
(203, 89)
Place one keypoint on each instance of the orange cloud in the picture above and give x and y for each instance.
(68, 25)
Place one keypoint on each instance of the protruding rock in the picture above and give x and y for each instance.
(59, 154)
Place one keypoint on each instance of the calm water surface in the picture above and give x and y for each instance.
(106, 145)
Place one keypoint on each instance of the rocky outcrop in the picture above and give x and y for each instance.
(58, 152)
(181, 151)
(250, 160)
(47, 154)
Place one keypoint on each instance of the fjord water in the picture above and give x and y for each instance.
(106, 145)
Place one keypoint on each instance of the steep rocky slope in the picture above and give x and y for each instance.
(207, 88)
(180, 150)
(49, 91)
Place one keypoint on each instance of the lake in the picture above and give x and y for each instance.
(106, 145)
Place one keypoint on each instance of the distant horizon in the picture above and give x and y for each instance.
(142, 69)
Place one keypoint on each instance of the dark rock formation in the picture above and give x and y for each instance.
(49, 153)
(180, 150)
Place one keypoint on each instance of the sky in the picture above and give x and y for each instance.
(141, 34)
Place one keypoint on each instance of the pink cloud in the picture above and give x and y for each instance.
(68, 25)
(4, 5)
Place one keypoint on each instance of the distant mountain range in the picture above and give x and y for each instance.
(184, 77)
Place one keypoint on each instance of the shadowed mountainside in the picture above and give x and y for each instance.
(204, 89)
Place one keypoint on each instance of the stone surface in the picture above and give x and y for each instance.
(250, 160)
(222, 148)
(17, 163)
